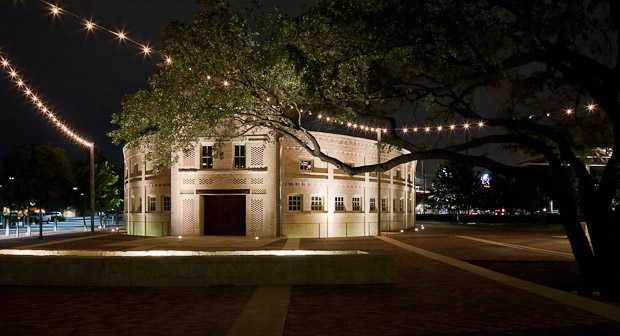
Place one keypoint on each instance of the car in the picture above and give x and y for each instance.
(46, 216)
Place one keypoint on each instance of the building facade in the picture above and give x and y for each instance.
(259, 185)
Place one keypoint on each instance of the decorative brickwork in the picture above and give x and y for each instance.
(189, 157)
(259, 191)
(189, 181)
(186, 192)
(239, 181)
(188, 216)
(258, 180)
(207, 180)
(256, 216)
(256, 157)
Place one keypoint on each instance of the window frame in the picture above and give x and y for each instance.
(292, 207)
(339, 203)
(372, 204)
(313, 204)
(359, 203)
(151, 199)
(163, 203)
(239, 159)
(309, 163)
(208, 156)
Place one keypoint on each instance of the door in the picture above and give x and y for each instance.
(224, 215)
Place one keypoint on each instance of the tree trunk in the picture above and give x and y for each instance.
(579, 243)
(40, 224)
(604, 234)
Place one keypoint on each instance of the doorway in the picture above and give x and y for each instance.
(224, 215)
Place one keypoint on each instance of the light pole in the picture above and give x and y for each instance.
(92, 188)
(379, 200)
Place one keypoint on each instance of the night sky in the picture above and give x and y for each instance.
(83, 77)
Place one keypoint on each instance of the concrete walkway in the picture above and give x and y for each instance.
(592, 306)
(264, 314)
(435, 294)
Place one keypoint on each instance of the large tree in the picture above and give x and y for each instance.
(523, 69)
(39, 175)
(454, 187)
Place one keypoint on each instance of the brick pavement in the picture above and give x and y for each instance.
(428, 298)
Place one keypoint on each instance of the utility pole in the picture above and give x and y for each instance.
(379, 200)
(92, 188)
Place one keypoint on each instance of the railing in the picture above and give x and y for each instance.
(147, 228)
(301, 230)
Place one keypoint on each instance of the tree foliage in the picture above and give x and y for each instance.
(517, 66)
(40, 174)
(107, 193)
(454, 187)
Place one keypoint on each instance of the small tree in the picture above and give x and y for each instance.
(454, 186)
(40, 174)
(107, 195)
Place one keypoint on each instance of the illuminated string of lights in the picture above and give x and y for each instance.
(90, 25)
(38, 103)
(450, 127)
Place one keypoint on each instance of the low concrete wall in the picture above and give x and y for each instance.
(195, 271)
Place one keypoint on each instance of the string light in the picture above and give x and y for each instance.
(56, 11)
(90, 26)
(40, 105)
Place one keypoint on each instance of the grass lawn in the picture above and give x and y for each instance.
(551, 227)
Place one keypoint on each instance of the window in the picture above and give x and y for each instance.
(383, 204)
(294, 203)
(239, 156)
(339, 203)
(207, 157)
(133, 204)
(356, 203)
(305, 165)
(393, 205)
(167, 203)
(316, 203)
(139, 209)
(401, 205)
(373, 204)
(152, 204)
(135, 169)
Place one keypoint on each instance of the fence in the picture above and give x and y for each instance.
(147, 228)
(343, 229)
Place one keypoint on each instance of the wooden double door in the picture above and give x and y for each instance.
(224, 215)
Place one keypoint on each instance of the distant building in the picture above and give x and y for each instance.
(234, 190)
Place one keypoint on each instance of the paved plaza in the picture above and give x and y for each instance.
(440, 290)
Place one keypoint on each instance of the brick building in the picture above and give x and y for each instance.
(235, 190)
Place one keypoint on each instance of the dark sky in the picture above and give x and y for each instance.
(82, 77)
